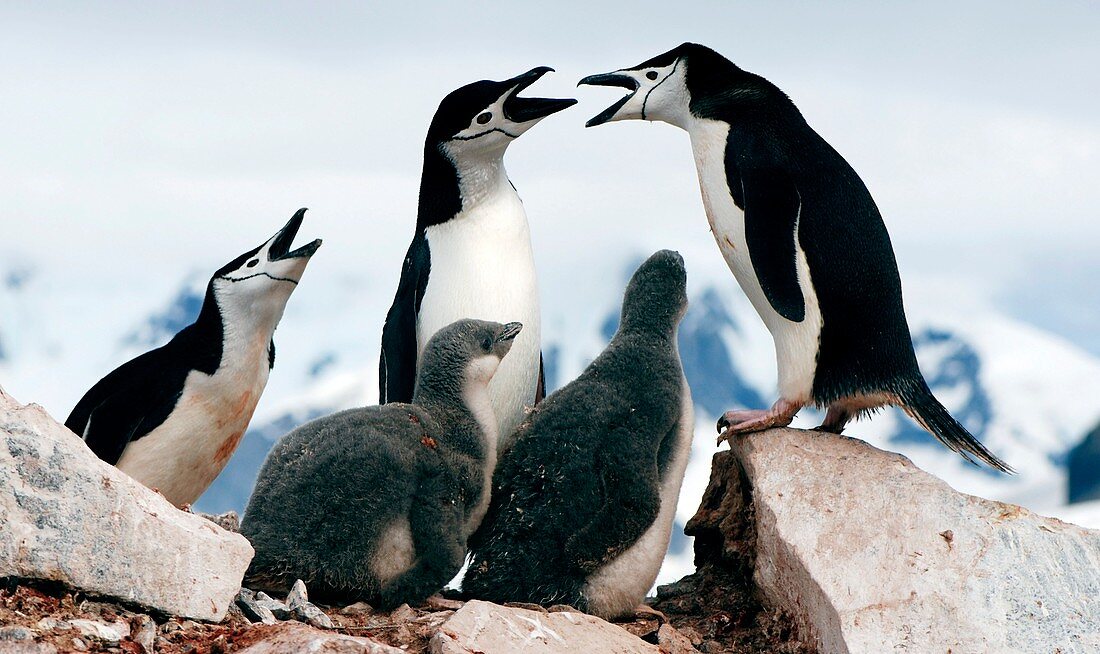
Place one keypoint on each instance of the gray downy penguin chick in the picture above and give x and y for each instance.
(802, 236)
(377, 503)
(172, 417)
(583, 501)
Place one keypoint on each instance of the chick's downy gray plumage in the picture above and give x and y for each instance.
(582, 503)
(376, 503)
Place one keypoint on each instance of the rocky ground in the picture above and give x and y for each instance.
(717, 609)
(43, 619)
(801, 537)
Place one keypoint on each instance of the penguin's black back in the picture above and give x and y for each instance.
(865, 344)
(138, 396)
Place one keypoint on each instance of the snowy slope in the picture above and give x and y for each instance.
(1028, 395)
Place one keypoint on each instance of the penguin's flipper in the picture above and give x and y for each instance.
(772, 206)
(629, 501)
(540, 389)
(397, 363)
(127, 404)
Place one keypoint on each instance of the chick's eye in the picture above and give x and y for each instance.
(486, 344)
(252, 264)
(651, 74)
(484, 117)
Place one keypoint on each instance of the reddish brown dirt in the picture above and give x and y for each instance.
(26, 604)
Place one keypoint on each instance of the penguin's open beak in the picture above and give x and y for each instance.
(280, 244)
(510, 331)
(523, 110)
(610, 79)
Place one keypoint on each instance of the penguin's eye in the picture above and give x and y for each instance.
(252, 264)
(484, 117)
(486, 343)
(651, 74)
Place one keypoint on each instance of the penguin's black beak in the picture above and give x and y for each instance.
(610, 79)
(280, 244)
(510, 331)
(523, 110)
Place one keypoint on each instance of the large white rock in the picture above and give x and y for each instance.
(69, 517)
(872, 554)
(487, 628)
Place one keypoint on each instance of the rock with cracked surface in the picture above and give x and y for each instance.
(71, 518)
(493, 629)
(871, 554)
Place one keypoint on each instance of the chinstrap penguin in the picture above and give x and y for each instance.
(172, 417)
(377, 503)
(471, 255)
(804, 239)
(583, 502)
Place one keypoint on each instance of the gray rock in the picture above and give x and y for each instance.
(297, 595)
(303, 611)
(16, 633)
(486, 628)
(295, 638)
(71, 518)
(254, 611)
(871, 554)
(279, 609)
(313, 616)
(111, 633)
(49, 623)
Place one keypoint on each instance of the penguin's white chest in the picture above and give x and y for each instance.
(796, 343)
(183, 456)
(482, 267)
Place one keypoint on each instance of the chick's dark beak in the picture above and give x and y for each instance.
(509, 332)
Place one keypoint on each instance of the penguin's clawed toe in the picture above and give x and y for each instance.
(744, 421)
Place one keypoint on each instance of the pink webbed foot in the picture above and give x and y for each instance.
(745, 421)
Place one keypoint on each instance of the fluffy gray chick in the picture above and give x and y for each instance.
(583, 501)
(376, 503)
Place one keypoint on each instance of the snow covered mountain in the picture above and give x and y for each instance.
(1028, 395)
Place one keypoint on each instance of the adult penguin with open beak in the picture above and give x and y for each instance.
(471, 252)
(804, 239)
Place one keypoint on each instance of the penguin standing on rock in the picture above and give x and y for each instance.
(804, 239)
(172, 417)
(584, 500)
(471, 253)
(376, 503)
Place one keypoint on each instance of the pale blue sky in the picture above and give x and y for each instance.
(158, 138)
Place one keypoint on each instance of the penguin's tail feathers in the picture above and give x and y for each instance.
(917, 400)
